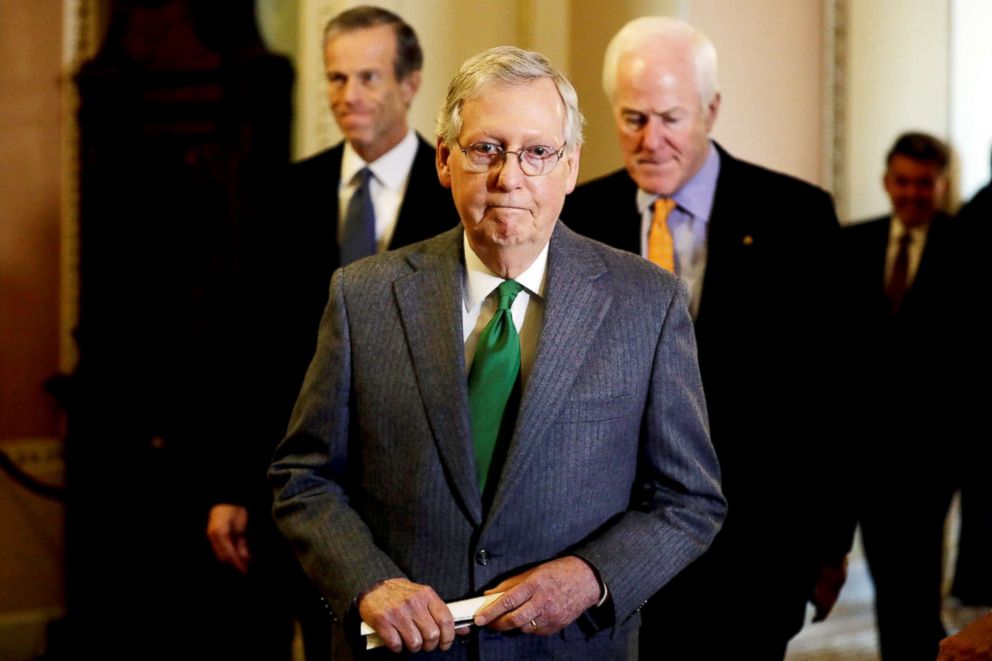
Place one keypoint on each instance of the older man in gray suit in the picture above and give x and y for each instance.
(507, 407)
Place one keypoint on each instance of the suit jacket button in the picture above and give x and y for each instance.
(482, 557)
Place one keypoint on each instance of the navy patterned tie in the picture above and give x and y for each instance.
(358, 235)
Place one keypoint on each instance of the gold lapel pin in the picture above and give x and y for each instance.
(748, 239)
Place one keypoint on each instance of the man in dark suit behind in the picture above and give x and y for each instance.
(507, 407)
(973, 572)
(756, 249)
(373, 63)
(906, 323)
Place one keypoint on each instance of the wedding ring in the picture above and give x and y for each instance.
(533, 625)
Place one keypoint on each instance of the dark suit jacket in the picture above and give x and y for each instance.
(610, 458)
(289, 260)
(766, 335)
(973, 279)
(914, 355)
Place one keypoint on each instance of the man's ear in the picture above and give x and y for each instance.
(442, 158)
(940, 192)
(409, 87)
(572, 160)
(712, 110)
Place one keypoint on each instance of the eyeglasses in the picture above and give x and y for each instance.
(534, 160)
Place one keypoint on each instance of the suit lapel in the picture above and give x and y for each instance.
(725, 234)
(933, 265)
(409, 222)
(629, 234)
(574, 310)
(931, 250)
(429, 302)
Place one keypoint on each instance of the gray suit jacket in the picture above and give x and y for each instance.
(610, 459)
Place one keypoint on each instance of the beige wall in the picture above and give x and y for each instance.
(771, 72)
(451, 31)
(971, 92)
(898, 81)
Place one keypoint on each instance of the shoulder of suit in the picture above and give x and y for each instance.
(613, 182)
(441, 246)
(427, 202)
(612, 195)
(944, 225)
(865, 233)
(423, 144)
(322, 158)
(760, 178)
(942, 218)
(423, 161)
(754, 177)
(867, 224)
(627, 269)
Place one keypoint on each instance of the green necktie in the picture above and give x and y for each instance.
(492, 382)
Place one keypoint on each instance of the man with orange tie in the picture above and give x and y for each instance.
(757, 250)
(907, 318)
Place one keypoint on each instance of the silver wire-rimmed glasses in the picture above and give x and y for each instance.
(534, 160)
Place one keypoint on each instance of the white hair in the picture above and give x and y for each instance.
(647, 31)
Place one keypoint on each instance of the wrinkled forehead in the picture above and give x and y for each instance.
(491, 103)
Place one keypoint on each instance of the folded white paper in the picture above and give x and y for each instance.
(462, 611)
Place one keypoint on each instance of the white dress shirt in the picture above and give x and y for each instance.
(391, 173)
(479, 306)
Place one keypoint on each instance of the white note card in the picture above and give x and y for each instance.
(462, 611)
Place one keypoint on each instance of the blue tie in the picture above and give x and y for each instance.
(358, 236)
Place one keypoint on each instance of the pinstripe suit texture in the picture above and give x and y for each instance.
(610, 458)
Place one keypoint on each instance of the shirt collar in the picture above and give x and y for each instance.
(899, 229)
(696, 195)
(480, 281)
(390, 169)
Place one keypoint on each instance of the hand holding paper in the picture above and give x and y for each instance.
(462, 613)
(543, 599)
(408, 615)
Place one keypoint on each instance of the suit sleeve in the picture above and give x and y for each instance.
(677, 506)
(309, 473)
(828, 358)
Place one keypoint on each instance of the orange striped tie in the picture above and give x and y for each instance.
(661, 248)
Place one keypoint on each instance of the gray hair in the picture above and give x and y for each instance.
(409, 56)
(649, 31)
(512, 66)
